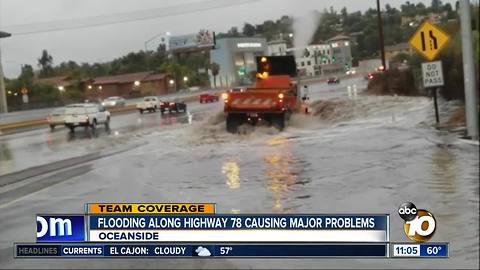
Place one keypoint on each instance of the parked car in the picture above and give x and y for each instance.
(86, 115)
(151, 104)
(333, 80)
(207, 97)
(56, 118)
(173, 106)
(113, 102)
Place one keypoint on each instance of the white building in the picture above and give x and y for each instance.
(311, 59)
(277, 47)
(236, 58)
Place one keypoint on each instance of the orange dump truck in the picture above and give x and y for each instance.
(272, 99)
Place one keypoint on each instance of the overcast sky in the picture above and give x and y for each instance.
(104, 43)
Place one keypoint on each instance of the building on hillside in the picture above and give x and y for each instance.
(341, 51)
(236, 58)
(414, 21)
(129, 85)
(333, 56)
(277, 47)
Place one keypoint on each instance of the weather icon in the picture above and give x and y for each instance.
(203, 252)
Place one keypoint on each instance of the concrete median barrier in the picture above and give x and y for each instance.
(42, 121)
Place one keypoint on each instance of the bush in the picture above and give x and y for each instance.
(392, 82)
(47, 94)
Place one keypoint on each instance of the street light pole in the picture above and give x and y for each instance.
(469, 74)
(3, 96)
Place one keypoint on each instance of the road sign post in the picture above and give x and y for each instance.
(429, 40)
(432, 77)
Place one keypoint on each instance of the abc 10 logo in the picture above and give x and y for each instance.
(420, 224)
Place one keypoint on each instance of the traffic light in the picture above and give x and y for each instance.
(334, 59)
(242, 71)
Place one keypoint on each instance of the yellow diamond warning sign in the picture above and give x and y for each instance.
(429, 40)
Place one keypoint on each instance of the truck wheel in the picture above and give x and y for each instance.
(162, 111)
(141, 111)
(278, 121)
(72, 129)
(52, 127)
(233, 121)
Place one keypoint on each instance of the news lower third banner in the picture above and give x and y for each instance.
(196, 230)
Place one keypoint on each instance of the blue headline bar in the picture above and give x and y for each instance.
(242, 222)
(217, 250)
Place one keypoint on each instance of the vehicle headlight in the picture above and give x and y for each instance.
(103, 103)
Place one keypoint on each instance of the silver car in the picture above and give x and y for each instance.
(56, 118)
(113, 102)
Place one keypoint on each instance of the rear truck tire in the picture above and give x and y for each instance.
(278, 121)
(233, 122)
(162, 111)
(72, 129)
(52, 127)
(288, 115)
(141, 111)
(93, 126)
(155, 108)
(183, 108)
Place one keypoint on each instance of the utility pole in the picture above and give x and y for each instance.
(469, 74)
(380, 32)
(3, 96)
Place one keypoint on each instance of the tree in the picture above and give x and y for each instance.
(215, 68)
(233, 32)
(26, 76)
(248, 30)
(344, 13)
(436, 5)
(177, 72)
(45, 62)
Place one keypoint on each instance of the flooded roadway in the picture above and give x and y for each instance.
(384, 154)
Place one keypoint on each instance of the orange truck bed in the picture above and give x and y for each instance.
(275, 94)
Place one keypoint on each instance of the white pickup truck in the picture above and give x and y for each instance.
(86, 115)
(150, 104)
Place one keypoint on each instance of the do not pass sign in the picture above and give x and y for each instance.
(432, 74)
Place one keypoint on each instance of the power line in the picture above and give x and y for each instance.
(109, 19)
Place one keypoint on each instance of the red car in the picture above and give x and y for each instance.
(206, 97)
(333, 80)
